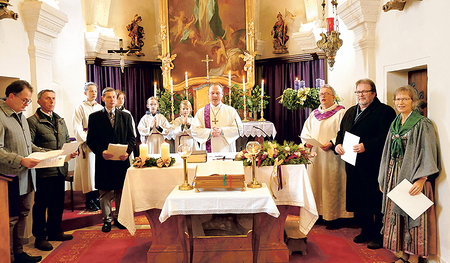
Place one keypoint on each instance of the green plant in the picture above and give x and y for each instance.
(303, 98)
(165, 103)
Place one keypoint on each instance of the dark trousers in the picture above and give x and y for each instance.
(17, 224)
(48, 199)
(370, 224)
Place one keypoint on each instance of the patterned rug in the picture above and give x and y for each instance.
(118, 246)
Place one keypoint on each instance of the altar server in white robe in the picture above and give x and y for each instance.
(153, 126)
(216, 126)
(85, 162)
(182, 127)
(327, 171)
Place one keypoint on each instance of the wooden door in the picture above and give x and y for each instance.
(418, 79)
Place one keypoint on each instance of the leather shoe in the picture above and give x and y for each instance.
(92, 207)
(361, 238)
(375, 243)
(25, 258)
(43, 245)
(60, 237)
(118, 225)
(106, 227)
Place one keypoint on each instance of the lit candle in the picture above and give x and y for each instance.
(330, 22)
(186, 79)
(155, 89)
(262, 88)
(296, 84)
(171, 85)
(165, 151)
(229, 78)
(143, 151)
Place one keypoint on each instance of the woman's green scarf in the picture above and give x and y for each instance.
(398, 130)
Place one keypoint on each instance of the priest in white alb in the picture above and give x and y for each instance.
(216, 126)
(327, 171)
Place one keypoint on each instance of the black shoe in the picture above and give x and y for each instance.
(118, 225)
(25, 258)
(60, 237)
(43, 245)
(97, 203)
(375, 243)
(92, 207)
(361, 238)
(333, 224)
(106, 227)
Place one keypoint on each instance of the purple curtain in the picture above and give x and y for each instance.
(278, 76)
(138, 85)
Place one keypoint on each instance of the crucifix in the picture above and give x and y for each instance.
(122, 52)
(207, 60)
(215, 121)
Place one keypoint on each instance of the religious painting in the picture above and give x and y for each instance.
(206, 41)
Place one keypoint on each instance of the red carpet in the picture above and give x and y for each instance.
(118, 246)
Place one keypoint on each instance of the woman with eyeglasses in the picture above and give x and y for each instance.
(410, 153)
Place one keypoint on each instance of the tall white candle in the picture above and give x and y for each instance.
(143, 151)
(262, 87)
(171, 85)
(186, 79)
(155, 89)
(243, 84)
(229, 78)
(165, 151)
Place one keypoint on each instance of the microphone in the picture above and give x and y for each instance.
(256, 127)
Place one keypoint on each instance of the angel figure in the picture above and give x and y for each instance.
(248, 59)
(167, 64)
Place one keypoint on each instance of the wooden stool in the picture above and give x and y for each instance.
(294, 239)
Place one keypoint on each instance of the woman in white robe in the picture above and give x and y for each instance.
(327, 171)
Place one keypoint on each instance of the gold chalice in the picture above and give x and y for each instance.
(185, 150)
(253, 149)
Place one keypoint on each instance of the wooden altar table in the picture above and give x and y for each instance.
(146, 189)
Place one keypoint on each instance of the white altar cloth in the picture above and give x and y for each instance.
(251, 201)
(250, 130)
(148, 188)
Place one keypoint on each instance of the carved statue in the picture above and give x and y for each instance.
(394, 5)
(280, 36)
(167, 64)
(5, 13)
(248, 59)
(136, 33)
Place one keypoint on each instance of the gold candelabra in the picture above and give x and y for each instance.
(245, 109)
(253, 149)
(262, 109)
(173, 115)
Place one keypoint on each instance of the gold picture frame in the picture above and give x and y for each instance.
(174, 18)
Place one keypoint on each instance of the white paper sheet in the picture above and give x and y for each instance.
(413, 205)
(70, 147)
(117, 150)
(312, 141)
(52, 162)
(46, 155)
(350, 140)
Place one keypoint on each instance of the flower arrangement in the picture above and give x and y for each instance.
(303, 98)
(138, 162)
(273, 153)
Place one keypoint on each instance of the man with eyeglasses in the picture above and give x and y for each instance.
(370, 120)
(15, 146)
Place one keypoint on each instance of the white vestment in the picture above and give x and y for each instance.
(227, 118)
(184, 136)
(84, 176)
(153, 137)
(327, 171)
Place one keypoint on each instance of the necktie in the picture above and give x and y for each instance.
(111, 118)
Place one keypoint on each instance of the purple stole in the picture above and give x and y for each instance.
(208, 125)
(322, 116)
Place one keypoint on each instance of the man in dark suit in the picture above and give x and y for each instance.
(370, 120)
(48, 130)
(110, 126)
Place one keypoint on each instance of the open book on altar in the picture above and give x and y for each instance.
(220, 174)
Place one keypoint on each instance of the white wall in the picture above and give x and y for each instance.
(414, 37)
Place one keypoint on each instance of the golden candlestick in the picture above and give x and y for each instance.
(262, 109)
(184, 150)
(253, 149)
(187, 92)
(229, 96)
(245, 110)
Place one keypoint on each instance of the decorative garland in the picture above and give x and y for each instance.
(151, 162)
